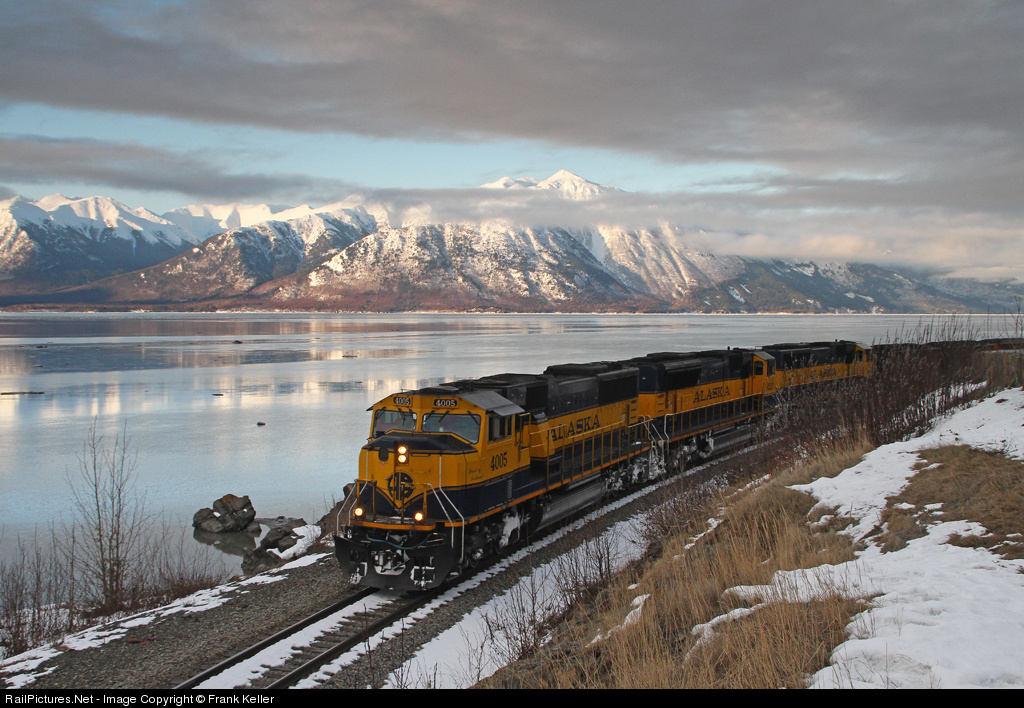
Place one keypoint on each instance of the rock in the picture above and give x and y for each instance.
(279, 539)
(230, 514)
(258, 561)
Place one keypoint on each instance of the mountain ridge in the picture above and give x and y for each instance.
(363, 253)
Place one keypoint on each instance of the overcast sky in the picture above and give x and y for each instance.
(869, 130)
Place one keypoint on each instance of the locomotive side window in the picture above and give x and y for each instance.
(385, 420)
(465, 425)
(758, 368)
(498, 427)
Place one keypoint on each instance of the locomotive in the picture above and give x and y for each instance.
(452, 474)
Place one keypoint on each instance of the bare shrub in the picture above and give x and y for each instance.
(179, 568)
(518, 629)
(106, 559)
(677, 509)
(105, 545)
(586, 569)
(33, 598)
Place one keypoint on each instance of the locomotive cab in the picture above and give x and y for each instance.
(432, 468)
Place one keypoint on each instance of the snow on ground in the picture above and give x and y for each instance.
(242, 674)
(942, 616)
(488, 638)
(480, 643)
(308, 535)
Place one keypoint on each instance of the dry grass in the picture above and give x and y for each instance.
(772, 639)
(969, 484)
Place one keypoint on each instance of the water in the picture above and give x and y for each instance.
(190, 390)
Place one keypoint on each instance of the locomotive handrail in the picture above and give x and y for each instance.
(462, 527)
(347, 505)
(442, 497)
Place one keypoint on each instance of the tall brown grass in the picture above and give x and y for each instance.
(773, 641)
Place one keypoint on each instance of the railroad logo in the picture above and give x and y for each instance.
(399, 486)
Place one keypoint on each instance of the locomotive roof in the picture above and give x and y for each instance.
(810, 345)
(491, 402)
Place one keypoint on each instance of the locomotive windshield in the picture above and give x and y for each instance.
(385, 420)
(465, 425)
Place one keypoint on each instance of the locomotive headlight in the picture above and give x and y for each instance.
(418, 516)
(403, 453)
(358, 511)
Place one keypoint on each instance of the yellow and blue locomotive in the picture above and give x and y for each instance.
(453, 474)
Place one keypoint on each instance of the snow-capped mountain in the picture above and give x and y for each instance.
(240, 259)
(59, 239)
(205, 220)
(565, 183)
(467, 265)
(368, 254)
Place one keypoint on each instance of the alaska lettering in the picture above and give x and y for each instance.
(711, 394)
(576, 427)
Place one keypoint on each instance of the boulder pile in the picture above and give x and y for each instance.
(230, 514)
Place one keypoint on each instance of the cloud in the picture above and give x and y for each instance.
(738, 79)
(38, 160)
(886, 128)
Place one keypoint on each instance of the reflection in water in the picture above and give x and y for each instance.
(130, 325)
(65, 357)
(236, 544)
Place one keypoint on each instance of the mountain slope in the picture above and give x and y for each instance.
(461, 266)
(236, 261)
(59, 241)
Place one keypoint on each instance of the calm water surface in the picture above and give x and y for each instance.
(191, 388)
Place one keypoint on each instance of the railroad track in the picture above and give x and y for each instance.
(336, 630)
